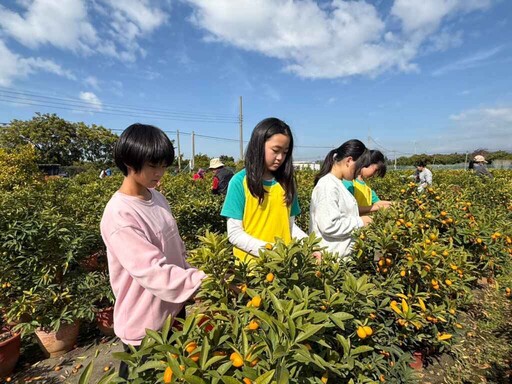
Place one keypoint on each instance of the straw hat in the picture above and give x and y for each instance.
(215, 163)
(479, 159)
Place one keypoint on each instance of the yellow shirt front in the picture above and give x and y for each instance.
(266, 221)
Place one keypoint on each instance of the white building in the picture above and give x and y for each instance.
(315, 166)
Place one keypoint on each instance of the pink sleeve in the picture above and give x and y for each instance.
(151, 269)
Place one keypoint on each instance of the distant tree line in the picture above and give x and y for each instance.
(452, 158)
(57, 141)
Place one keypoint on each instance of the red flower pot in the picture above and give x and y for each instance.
(105, 321)
(9, 354)
(95, 262)
(58, 343)
(417, 362)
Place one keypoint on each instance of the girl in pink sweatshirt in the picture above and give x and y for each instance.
(149, 275)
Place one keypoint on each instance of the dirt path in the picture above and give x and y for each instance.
(34, 368)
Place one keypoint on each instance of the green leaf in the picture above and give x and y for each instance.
(309, 331)
(213, 360)
(153, 334)
(166, 328)
(193, 379)
(224, 367)
(339, 317)
(124, 356)
(301, 313)
(108, 379)
(230, 380)
(277, 304)
(266, 378)
(188, 324)
(291, 328)
(345, 343)
(284, 376)
(205, 350)
(86, 374)
(361, 349)
(150, 365)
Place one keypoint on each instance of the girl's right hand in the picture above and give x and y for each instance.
(366, 220)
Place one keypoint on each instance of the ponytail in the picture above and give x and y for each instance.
(352, 148)
(326, 166)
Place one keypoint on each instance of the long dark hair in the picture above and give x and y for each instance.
(353, 148)
(255, 159)
(377, 157)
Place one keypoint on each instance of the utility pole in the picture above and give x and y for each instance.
(240, 120)
(394, 155)
(179, 150)
(192, 161)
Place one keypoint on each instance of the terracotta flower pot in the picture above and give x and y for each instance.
(417, 362)
(95, 262)
(105, 321)
(9, 354)
(58, 343)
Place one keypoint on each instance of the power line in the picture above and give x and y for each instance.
(18, 100)
(80, 102)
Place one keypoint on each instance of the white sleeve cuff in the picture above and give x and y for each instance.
(296, 232)
(241, 239)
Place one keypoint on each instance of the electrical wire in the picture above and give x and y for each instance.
(120, 107)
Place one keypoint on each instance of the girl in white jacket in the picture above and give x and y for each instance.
(333, 212)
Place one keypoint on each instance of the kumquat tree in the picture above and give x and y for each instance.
(425, 283)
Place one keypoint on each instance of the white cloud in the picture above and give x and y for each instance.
(13, 66)
(486, 127)
(271, 92)
(91, 99)
(426, 16)
(67, 25)
(476, 60)
(338, 39)
(61, 23)
(443, 41)
(140, 13)
(93, 82)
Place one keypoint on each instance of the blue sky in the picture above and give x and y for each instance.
(405, 76)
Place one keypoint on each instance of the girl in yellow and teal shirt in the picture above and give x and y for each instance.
(261, 201)
(367, 199)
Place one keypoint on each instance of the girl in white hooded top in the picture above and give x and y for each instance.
(334, 212)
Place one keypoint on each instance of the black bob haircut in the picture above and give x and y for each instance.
(351, 148)
(377, 157)
(255, 159)
(421, 163)
(141, 144)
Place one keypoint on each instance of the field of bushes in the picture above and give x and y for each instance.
(412, 292)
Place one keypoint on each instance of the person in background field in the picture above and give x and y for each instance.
(424, 176)
(103, 174)
(199, 175)
(334, 213)
(149, 275)
(367, 199)
(478, 165)
(108, 172)
(221, 176)
(261, 201)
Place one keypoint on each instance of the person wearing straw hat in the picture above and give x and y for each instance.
(221, 176)
(478, 165)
